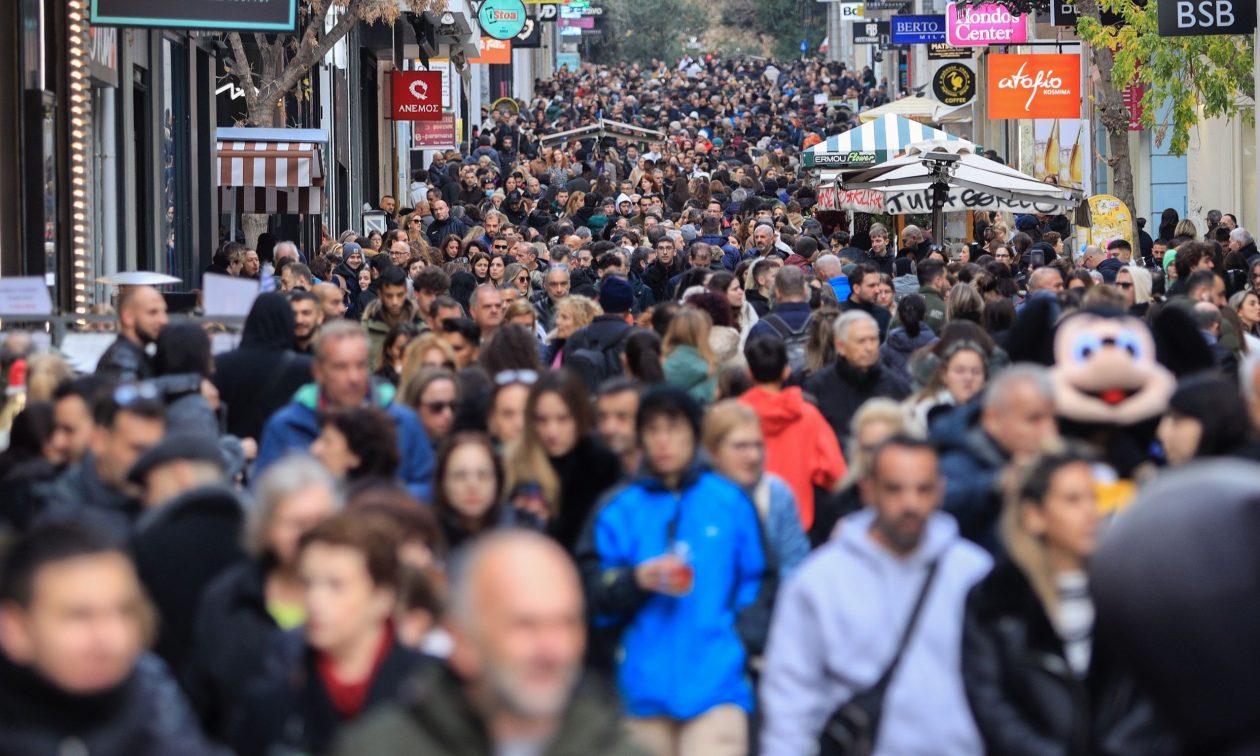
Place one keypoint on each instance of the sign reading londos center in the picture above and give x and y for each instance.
(979, 25)
(502, 19)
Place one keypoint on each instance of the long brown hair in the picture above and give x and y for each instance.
(1028, 551)
(441, 504)
(527, 459)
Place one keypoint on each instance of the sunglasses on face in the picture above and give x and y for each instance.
(438, 407)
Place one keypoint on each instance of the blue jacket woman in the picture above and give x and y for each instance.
(680, 655)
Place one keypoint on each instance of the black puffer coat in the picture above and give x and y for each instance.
(1024, 695)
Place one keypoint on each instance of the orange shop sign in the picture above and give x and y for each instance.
(1034, 86)
(493, 51)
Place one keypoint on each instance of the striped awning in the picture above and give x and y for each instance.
(262, 172)
(871, 144)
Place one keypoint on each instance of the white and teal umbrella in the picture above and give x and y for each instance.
(872, 143)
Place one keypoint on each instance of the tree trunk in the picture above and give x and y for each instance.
(1113, 114)
(255, 224)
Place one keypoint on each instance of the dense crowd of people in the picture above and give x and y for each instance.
(613, 447)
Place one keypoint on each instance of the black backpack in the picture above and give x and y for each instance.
(794, 340)
(597, 365)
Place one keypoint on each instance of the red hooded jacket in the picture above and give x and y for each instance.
(801, 448)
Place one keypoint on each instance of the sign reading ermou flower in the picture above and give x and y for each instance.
(979, 25)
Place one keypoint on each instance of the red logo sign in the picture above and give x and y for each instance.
(417, 95)
(1133, 95)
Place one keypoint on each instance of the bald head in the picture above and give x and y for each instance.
(1045, 279)
(331, 300)
(518, 623)
(141, 313)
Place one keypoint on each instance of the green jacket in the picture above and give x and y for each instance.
(934, 316)
(686, 369)
(377, 329)
(434, 718)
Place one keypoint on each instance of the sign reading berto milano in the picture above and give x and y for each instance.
(209, 15)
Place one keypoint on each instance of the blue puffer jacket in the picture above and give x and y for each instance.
(679, 657)
(296, 425)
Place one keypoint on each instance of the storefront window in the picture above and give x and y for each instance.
(176, 237)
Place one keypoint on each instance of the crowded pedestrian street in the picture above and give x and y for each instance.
(653, 378)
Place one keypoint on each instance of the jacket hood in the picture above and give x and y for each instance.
(270, 323)
(939, 534)
(960, 430)
(778, 412)
(687, 368)
(901, 341)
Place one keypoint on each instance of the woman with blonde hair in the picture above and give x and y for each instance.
(1034, 613)
(518, 275)
(689, 362)
(574, 312)
(876, 421)
(733, 440)
(520, 312)
(964, 303)
(1186, 228)
(577, 200)
(428, 350)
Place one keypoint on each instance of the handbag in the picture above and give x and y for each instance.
(852, 728)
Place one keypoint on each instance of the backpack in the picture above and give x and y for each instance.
(597, 365)
(794, 340)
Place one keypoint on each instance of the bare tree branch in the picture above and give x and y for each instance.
(244, 72)
(312, 49)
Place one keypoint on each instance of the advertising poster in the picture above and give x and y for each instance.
(1061, 149)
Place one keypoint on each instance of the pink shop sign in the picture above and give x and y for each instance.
(980, 25)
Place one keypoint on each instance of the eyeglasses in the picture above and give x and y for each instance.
(506, 377)
(500, 246)
(438, 407)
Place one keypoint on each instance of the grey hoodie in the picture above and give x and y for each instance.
(836, 626)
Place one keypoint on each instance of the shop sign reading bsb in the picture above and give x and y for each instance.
(1034, 86)
(979, 25)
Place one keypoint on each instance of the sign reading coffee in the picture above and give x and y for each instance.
(954, 84)
(202, 15)
(1034, 86)
(988, 24)
(1187, 18)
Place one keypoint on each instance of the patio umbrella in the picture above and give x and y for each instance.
(872, 143)
(138, 278)
(923, 109)
(949, 176)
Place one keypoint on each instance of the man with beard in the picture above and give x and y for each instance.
(394, 307)
(141, 317)
(511, 684)
(838, 623)
(308, 316)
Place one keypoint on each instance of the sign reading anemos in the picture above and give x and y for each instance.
(903, 203)
(417, 95)
(1034, 86)
(979, 25)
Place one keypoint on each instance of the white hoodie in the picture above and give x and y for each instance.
(836, 626)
